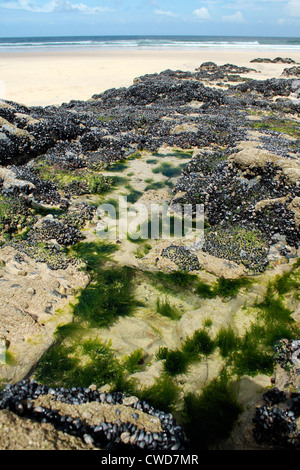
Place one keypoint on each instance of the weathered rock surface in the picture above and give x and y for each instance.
(31, 294)
(277, 60)
(227, 68)
(292, 71)
(18, 433)
(111, 421)
(27, 132)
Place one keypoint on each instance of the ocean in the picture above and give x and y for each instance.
(149, 43)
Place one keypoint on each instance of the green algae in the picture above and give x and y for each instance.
(273, 308)
(223, 287)
(134, 362)
(110, 291)
(133, 194)
(162, 395)
(142, 250)
(15, 215)
(287, 282)
(83, 364)
(155, 186)
(198, 344)
(175, 282)
(175, 153)
(81, 181)
(168, 170)
(164, 308)
(285, 126)
(176, 362)
(209, 416)
(227, 341)
(108, 296)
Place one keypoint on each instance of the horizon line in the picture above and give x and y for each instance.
(149, 35)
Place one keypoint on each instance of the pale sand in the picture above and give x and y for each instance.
(43, 78)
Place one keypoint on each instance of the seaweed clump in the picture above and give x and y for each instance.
(210, 416)
(110, 291)
(15, 215)
(78, 365)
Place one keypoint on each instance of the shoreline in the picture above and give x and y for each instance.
(41, 78)
(210, 48)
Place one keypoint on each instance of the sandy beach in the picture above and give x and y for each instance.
(44, 78)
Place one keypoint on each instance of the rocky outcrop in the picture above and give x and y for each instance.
(277, 60)
(268, 88)
(292, 71)
(86, 418)
(28, 132)
(57, 165)
(227, 68)
(19, 433)
(248, 189)
(31, 294)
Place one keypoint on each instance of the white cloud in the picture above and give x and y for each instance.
(202, 13)
(52, 6)
(235, 18)
(294, 7)
(86, 9)
(29, 6)
(166, 13)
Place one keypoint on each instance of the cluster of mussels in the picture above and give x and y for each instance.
(45, 252)
(158, 110)
(65, 231)
(118, 121)
(226, 72)
(276, 143)
(181, 256)
(287, 353)
(292, 71)
(38, 245)
(40, 129)
(268, 88)
(19, 398)
(79, 215)
(237, 245)
(53, 229)
(67, 155)
(277, 425)
(277, 60)
(44, 192)
(230, 200)
(207, 71)
(15, 213)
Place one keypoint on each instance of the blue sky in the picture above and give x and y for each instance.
(137, 17)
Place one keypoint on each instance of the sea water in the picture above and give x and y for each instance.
(150, 43)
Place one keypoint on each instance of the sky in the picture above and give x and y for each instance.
(33, 18)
